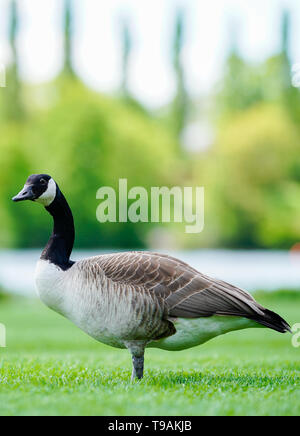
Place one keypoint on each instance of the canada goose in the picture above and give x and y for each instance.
(135, 300)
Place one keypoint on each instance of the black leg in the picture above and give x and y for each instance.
(138, 367)
(137, 350)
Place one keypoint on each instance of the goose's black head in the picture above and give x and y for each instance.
(40, 188)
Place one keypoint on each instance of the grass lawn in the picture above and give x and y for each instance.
(52, 368)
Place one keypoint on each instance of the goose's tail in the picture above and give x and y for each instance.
(272, 320)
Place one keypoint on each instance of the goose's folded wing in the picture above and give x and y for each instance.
(185, 292)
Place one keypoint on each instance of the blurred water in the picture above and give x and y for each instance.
(252, 270)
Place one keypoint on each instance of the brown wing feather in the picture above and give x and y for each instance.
(182, 290)
(186, 292)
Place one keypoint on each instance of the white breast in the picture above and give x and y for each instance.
(84, 303)
(49, 285)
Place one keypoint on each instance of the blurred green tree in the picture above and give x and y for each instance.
(252, 178)
(290, 95)
(181, 101)
(68, 69)
(245, 84)
(86, 141)
(242, 84)
(12, 108)
(126, 53)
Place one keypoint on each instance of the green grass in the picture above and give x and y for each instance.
(51, 368)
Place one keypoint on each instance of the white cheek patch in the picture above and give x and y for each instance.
(49, 195)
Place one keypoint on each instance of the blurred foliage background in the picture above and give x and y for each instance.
(249, 164)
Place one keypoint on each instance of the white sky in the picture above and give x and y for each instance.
(97, 51)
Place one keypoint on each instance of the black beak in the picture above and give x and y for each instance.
(25, 194)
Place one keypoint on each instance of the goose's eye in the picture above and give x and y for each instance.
(43, 181)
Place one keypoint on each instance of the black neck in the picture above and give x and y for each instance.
(60, 245)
